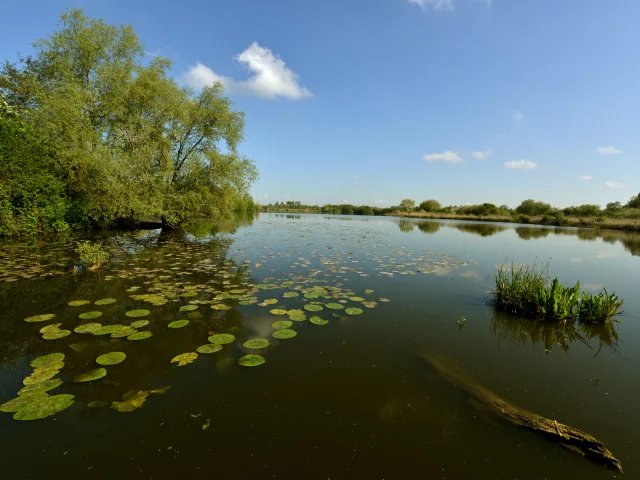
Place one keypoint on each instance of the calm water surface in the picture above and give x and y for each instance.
(354, 398)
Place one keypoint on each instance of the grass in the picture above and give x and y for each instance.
(529, 291)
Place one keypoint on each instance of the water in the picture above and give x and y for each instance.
(351, 399)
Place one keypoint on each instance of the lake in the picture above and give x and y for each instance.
(352, 394)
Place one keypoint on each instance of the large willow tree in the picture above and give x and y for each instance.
(130, 142)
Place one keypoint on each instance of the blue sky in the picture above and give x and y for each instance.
(369, 102)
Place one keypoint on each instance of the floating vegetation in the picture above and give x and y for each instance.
(78, 303)
(290, 294)
(209, 348)
(256, 344)
(222, 338)
(40, 387)
(353, 311)
(281, 324)
(50, 328)
(43, 406)
(137, 313)
(91, 375)
(278, 311)
(178, 324)
(335, 306)
(310, 307)
(123, 331)
(106, 330)
(356, 299)
(284, 334)
(47, 360)
(17, 403)
(133, 400)
(220, 306)
(87, 328)
(251, 361)
(140, 336)
(188, 308)
(90, 315)
(139, 324)
(106, 301)
(112, 358)
(270, 301)
(40, 318)
(318, 321)
(55, 334)
(184, 358)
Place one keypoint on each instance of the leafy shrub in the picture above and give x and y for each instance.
(92, 254)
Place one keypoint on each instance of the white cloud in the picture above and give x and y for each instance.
(517, 115)
(521, 164)
(483, 155)
(448, 156)
(270, 77)
(380, 202)
(435, 4)
(355, 179)
(586, 177)
(616, 185)
(608, 151)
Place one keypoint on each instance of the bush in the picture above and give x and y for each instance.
(92, 254)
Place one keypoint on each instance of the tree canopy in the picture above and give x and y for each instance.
(124, 139)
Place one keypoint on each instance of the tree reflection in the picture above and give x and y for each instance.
(482, 229)
(429, 227)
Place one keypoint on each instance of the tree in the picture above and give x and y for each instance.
(634, 202)
(430, 206)
(531, 208)
(127, 138)
(407, 204)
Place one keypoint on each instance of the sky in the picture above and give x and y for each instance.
(374, 101)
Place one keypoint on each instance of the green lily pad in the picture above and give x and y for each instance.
(78, 303)
(106, 330)
(334, 306)
(311, 295)
(50, 328)
(369, 304)
(281, 324)
(112, 358)
(40, 318)
(87, 328)
(353, 311)
(123, 331)
(356, 299)
(209, 348)
(290, 294)
(41, 374)
(188, 308)
(278, 311)
(220, 306)
(256, 343)
(284, 334)
(270, 301)
(184, 358)
(222, 338)
(139, 324)
(132, 402)
(140, 336)
(312, 308)
(106, 301)
(46, 360)
(23, 401)
(43, 386)
(91, 375)
(56, 334)
(189, 294)
(44, 407)
(178, 324)
(251, 360)
(90, 315)
(318, 321)
(137, 313)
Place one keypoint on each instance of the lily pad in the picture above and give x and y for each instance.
(123, 331)
(312, 308)
(56, 334)
(50, 328)
(106, 330)
(270, 301)
(284, 334)
(44, 407)
(318, 321)
(209, 348)
(133, 402)
(188, 308)
(87, 328)
(140, 336)
(112, 358)
(178, 324)
(353, 311)
(40, 318)
(106, 301)
(90, 315)
(184, 358)
(356, 299)
(334, 306)
(91, 375)
(78, 303)
(281, 324)
(290, 294)
(298, 318)
(141, 312)
(310, 295)
(139, 324)
(256, 343)
(222, 338)
(23, 401)
(46, 360)
(278, 311)
(251, 360)
(43, 386)
(220, 306)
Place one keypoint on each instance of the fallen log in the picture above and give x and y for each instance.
(570, 438)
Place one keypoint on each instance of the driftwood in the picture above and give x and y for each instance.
(570, 438)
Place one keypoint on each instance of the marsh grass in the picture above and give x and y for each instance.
(530, 292)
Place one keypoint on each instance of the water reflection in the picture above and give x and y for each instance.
(544, 334)
(482, 229)
(406, 225)
(527, 233)
(429, 227)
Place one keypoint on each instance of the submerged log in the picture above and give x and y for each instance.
(570, 438)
